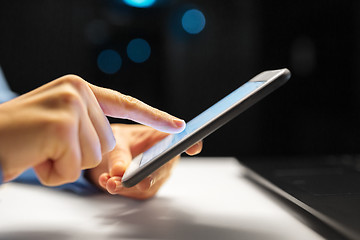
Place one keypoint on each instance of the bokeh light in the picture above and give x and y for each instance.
(109, 61)
(138, 50)
(193, 21)
(140, 3)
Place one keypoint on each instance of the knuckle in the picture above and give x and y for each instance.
(69, 97)
(64, 96)
(61, 125)
(93, 162)
(56, 179)
(73, 176)
(50, 181)
(130, 102)
(45, 181)
(73, 80)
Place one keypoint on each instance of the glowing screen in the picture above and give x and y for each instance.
(201, 120)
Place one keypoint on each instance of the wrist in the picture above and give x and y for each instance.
(5, 122)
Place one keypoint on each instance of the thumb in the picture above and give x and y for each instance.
(118, 105)
(119, 160)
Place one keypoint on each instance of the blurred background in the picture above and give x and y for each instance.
(183, 56)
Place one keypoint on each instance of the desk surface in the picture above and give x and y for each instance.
(206, 198)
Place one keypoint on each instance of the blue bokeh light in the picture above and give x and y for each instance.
(138, 50)
(193, 21)
(140, 3)
(109, 61)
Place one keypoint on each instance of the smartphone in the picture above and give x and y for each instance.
(204, 124)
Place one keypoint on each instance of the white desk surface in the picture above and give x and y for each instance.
(206, 198)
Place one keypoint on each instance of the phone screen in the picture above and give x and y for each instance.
(201, 120)
(204, 124)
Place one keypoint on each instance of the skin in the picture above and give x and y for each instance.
(132, 140)
(61, 128)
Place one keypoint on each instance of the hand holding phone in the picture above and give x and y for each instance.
(204, 124)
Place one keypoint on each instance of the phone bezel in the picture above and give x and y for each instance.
(272, 80)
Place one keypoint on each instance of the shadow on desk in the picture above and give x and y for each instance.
(161, 220)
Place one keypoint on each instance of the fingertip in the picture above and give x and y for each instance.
(117, 169)
(176, 126)
(103, 178)
(179, 123)
(111, 185)
(195, 149)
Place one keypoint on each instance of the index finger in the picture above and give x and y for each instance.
(115, 104)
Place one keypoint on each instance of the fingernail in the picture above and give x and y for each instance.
(179, 123)
(113, 184)
(103, 181)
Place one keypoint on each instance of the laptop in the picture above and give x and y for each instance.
(327, 187)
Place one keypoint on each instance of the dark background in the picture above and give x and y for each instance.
(316, 112)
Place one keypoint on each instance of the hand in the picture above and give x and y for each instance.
(132, 140)
(61, 128)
